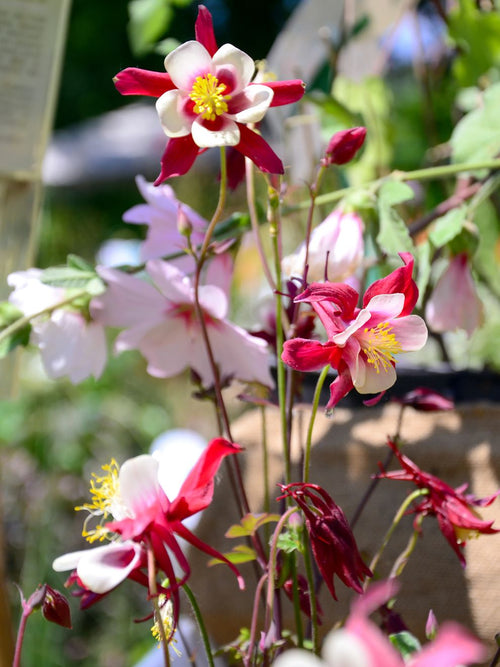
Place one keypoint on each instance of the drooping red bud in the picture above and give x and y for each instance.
(55, 607)
(344, 145)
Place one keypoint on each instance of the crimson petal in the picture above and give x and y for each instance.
(204, 30)
(400, 280)
(286, 92)
(198, 487)
(253, 146)
(178, 158)
(135, 81)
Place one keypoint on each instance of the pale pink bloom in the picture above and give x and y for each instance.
(160, 321)
(69, 344)
(163, 213)
(454, 303)
(335, 250)
(360, 643)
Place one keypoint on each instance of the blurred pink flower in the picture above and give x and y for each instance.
(454, 303)
(362, 342)
(206, 98)
(335, 250)
(69, 343)
(161, 322)
(163, 213)
(360, 643)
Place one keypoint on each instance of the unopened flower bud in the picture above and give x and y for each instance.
(344, 145)
(184, 224)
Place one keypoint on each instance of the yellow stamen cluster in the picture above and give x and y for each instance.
(208, 98)
(105, 492)
(167, 620)
(380, 346)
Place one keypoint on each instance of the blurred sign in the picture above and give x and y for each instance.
(31, 38)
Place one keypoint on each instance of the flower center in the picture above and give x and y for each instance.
(208, 98)
(380, 346)
(105, 501)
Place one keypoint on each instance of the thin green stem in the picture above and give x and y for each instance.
(429, 173)
(201, 625)
(403, 558)
(296, 602)
(153, 592)
(26, 319)
(315, 403)
(220, 206)
(397, 518)
(312, 598)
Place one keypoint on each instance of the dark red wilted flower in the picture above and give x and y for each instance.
(332, 541)
(425, 400)
(453, 508)
(344, 145)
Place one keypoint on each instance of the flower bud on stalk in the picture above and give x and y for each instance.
(343, 146)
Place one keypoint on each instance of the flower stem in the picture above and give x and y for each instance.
(220, 206)
(417, 175)
(201, 624)
(315, 403)
(153, 591)
(403, 558)
(312, 598)
(20, 635)
(397, 518)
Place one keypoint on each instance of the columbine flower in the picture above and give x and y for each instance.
(454, 303)
(335, 249)
(164, 214)
(162, 324)
(360, 643)
(69, 343)
(144, 517)
(332, 541)
(207, 98)
(344, 145)
(362, 343)
(453, 508)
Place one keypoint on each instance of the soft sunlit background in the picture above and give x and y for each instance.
(52, 434)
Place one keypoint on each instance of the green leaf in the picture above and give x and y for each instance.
(240, 554)
(405, 643)
(68, 277)
(8, 313)
(149, 19)
(423, 256)
(448, 226)
(76, 262)
(250, 523)
(486, 259)
(16, 338)
(393, 235)
(290, 541)
(476, 136)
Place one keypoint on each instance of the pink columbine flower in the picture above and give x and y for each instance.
(362, 342)
(335, 250)
(165, 216)
(161, 322)
(454, 303)
(361, 643)
(143, 517)
(454, 509)
(206, 98)
(70, 344)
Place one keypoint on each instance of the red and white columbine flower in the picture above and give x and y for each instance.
(362, 342)
(135, 513)
(206, 98)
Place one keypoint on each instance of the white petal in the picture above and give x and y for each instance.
(186, 62)
(362, 318)
(174, 121)
(103, 568)
(139, 483)
(173, 284)
(227, 135)
(373, 382)
(410, 332)
(213, 300)
(344, 649)
(255, 101)
(68, 561)
(297, 657)
(233, 63)
(385, 307)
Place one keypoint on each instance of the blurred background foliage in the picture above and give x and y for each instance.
(53, 435)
